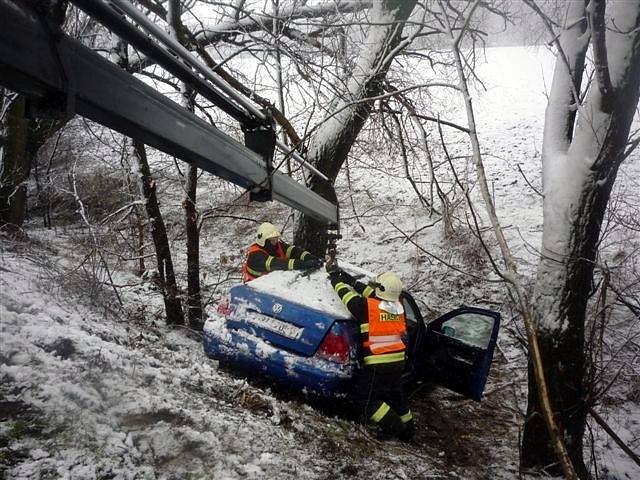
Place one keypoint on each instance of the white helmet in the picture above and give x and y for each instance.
(265, 232)
(389, 286)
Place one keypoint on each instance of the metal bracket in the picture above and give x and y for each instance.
(56, 104)
(261, 138)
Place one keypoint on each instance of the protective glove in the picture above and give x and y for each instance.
(335, 274)
(339, 275)
(311, 263)
(348, 278)
(332, 267)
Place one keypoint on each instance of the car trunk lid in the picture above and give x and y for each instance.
(288, 323)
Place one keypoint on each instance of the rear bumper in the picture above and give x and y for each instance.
(249, 352)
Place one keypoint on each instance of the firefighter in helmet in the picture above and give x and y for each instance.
(270, 253)
(379, 394)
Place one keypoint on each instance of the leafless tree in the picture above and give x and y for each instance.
(194, 301)
(585, 140)
(330, 144)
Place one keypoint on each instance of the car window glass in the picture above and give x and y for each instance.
(472, 328)
(409, 312)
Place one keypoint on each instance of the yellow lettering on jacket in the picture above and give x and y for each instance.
(389, 317)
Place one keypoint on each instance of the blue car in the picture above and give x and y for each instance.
(292, 327)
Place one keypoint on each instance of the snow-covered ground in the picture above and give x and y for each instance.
(92, 389)
(89, 392)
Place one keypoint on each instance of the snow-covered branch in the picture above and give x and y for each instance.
(564, 98)
(347, 106)
(253, 22)
(261, 21)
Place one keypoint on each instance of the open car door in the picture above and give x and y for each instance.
(455, 350)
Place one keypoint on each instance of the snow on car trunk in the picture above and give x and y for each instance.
(308, 290)
(290, 310)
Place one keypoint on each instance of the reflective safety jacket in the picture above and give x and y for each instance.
(381, 323)
(385, 327)
(262, 260)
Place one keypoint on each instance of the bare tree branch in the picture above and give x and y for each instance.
(633, 456)
(630, 149)
(254, 22)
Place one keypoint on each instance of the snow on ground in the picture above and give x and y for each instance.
(92, 390)
(96, 396)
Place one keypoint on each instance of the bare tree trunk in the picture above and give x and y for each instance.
(561, 295)
(279, 80)
(194, 298)
(137, 233)
(147, 186)
(24, 137)
(510, 273)
(194, 295)
(16, 164)
(172, 302)
(579, 170)
(310, 232)
(333, 140)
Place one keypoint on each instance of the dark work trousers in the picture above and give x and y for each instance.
(379, 386)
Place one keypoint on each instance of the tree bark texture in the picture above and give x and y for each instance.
(172, 302)
(333, 140)
(194, 297)
(24, 137)
(578, 176)
(16, 164)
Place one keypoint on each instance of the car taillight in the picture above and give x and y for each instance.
(224, 308)
(335, 348)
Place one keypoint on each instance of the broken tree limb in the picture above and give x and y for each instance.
(605, 426)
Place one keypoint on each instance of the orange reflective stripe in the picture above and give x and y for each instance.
(385, 344)
(384, 338)
(377, 349)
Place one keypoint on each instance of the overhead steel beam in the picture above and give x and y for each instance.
(108, 12)
(37, 63)
(184, 54)
(115, 21)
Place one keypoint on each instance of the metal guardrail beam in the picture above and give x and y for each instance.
(114, 21)
(141, 19)
(37, 63)
(164, 52)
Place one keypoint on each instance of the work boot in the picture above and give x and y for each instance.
(409, 431)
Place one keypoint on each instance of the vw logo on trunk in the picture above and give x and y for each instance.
(277, 308)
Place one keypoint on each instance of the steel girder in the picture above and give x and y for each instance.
(44, 64)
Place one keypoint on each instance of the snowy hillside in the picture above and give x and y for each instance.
(94, 385)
